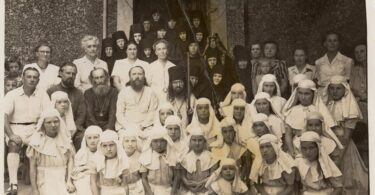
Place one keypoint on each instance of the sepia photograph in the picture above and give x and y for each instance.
(186, 97)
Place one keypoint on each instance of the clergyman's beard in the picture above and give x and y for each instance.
(137, 84)
(101, 90)
(68, 82)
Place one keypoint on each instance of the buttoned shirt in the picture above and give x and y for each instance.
(159, 79)
(21, 108)
(84, 67)
(48, 76)
(122, 67)
(340, 65)
(308, 70)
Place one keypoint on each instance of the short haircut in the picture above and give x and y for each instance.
(30, 69)
(324, 37)
(131, 43)
(300, 47)
(67, 64)
(130, 70)
(102, 69)
(271, 42)
(160, 41)
(256, 43)
(12, 59)
(87, 38)
(36, 49)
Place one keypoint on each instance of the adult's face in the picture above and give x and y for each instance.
(314, 125)
(256, 51)
(14, 69)
(193, 48)
(238, 113)
(196, 22)
(216, 78)
(147, 52)
(228, 172)
(9, 85)
(197, 143)
(68, 75)
(194, 80)
(137, 37)
(30, 78)
(360, 53)
(270, 50)
(51, 126)
(336, 91)
(131, 51)
(120, 43)
(268, 153)
(174, 132)
(108, 51)
(299, 57)
(147, 26)
(163, 114)
(91, 48)
(156, 16)
(171, 24)
(43, 54)
(183, 36)
(332, 42)
(62, 105)
(203, 111)
(260, 128)
(212, 61)
(305, 96)
(228, 134)
(109, 149)
(130, 144)
(178, 86)
(137, 77)
(199, 36)
(159, 145)
(99, 77)
(309, 150)
(161, 33)
(212, 43)
(242, 64)
(270, 88)
(263, 106)
(161, 51)
(92, 142)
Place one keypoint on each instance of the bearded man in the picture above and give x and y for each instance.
(101, 100)
(137, 102)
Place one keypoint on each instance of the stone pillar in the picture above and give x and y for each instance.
(235, 23)
(217, 19)
(124, 15)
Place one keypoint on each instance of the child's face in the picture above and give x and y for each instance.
(120, 43)
(270, 50)
(212, 61)
(62, 105)
(130, 144)
(264, 67)
(260, 128)
(314, 125)
(109, 149)
(237, 94)
(159, 145)
(197, 143)
(51, 126)
(92, 142)
(163, 114)
(10, 85)
(193, 48)
(268, 153)
(309, 150)
(14, 69)
(147, 52)
(174, 132)
(262, 106)
(182, 36)
(137, 37)
(238, 112)
(216, 78)
(203, 111)
(199, 36)
(228, 172)
(156, 16)
(228, 134)
(336, 91)
(305, 96)
(270, 88)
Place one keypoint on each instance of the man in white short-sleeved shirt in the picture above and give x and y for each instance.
(22, 109)
(88, 62)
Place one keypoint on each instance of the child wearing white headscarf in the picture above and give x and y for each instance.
(65, 113)
(236, 91)
(173, 124)
(83, 160)
(319, 175)
(346, 112)
(278, 176)
(129, 138)
(276, 98)
(243, 125)
(197, 165)
(164, 110)
(158, 163)
(51, 156)
(226, 179)
(111, 166)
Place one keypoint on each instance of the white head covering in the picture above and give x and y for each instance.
(123, 161)
(297, 78)
(81, 157)
(260, 117)
(283, 160)
(68, 116)
(328, 167)
(228, 99)
(264, 95)
(269, 78)
(293, 100)
(230, 122)
(348, 108)
(175, 120)
(237, 185)
(39, 138)
(163, 106)
(147, 157)
(244, 129)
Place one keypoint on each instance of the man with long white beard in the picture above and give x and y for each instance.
(101, 100)
(137, 102)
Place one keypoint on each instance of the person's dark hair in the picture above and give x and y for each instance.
(256, 43)
(144, 73)
(12, 59)
(67, 64)
(325, 35)
(300, 47)
(30, 69)
(160, 41)
(356, 45)
(41, 45)
(271, 42)
(131, 43)
(171, 94)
